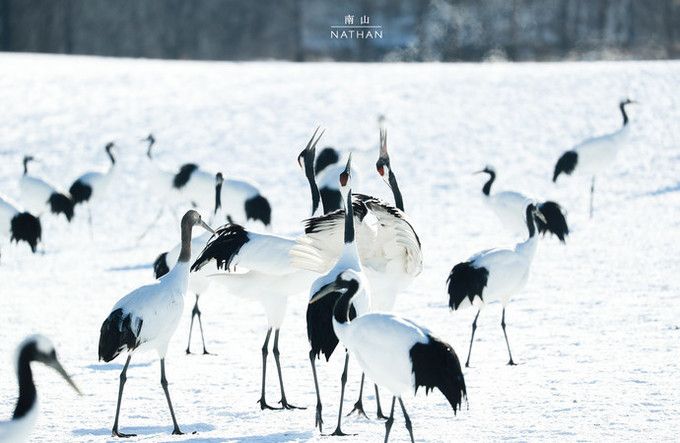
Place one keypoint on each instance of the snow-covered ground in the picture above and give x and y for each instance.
(596, 332)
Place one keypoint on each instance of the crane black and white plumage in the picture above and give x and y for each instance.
(146, 318)
(35, 348)
(494, 274)
(18, 225)
(258, 267)
(242, 201)
(198, 281)
(38, 195)
(396, 353)
(594, 155)
(389, 247)
(510, 208)
(93, 184)
(327, 169)
(320, 333)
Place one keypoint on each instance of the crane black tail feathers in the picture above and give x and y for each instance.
(160, 265)
(555, 220)
(223, 247)
(26, 227)
(118, 333)
(465, 282)
(80, 192)
(61, 204)
(436, 365)
(566, 163)
(258, 208)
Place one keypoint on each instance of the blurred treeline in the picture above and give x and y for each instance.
(414, 30)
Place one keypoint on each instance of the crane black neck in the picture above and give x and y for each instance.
(311, 178)
(622, 107)
(398, 200)
(486, 189)
(349, 219)
(110, 154)
(218, 197)
(27, 393)
(26, 160)
(531, 226)
(342, 304)
(148, 150)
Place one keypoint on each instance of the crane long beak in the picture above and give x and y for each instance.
(324, 291)
(205, 226)
(60, 369)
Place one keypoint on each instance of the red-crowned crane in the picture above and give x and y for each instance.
(93, 184)
(322, 338)
(257, 266)
(596, 154)
(389, 247)
(396, 353)
(147, 318)
(510, 208)
(494, 274)
(39, 196)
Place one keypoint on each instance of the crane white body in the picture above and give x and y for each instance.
(508, 270)
(157, 308)
(597, 154)
(381, 343)
(35, 193)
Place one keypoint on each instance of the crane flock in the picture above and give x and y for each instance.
(353, 257)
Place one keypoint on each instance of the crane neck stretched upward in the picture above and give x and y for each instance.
(343, 303)
(218, 197)
(27, 393)
(111, 157)
(349, 219)
(622, 107)
(311, 178)
(398, 200)
(486, 189)
(26, 160)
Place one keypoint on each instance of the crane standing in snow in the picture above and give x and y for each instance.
(38, 195)
(146, 318)
(510, 208)
(93, 184)
(388, 246)
(494, 274)
(322, 338)
(395, 352)
(265, 272)
(595, 154)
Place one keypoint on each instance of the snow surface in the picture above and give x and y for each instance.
(596, 332)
